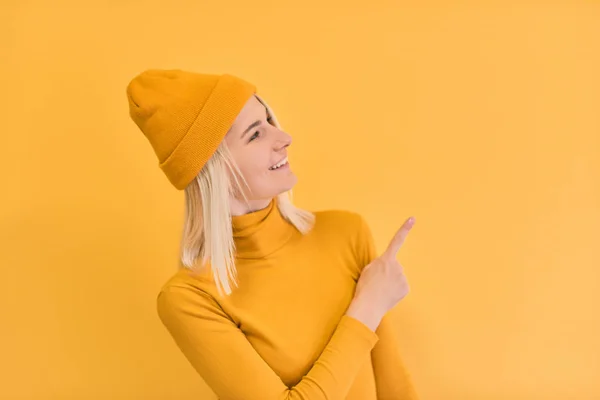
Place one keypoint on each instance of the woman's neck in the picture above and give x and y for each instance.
(240, 207)
(260, 233)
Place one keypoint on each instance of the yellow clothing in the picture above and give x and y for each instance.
(283, 333)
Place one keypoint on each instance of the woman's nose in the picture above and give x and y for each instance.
(283, 139)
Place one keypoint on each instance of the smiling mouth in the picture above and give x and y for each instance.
(280, 164)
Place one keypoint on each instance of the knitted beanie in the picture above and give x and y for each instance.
(185, 116)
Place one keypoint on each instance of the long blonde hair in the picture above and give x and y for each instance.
(207, 237)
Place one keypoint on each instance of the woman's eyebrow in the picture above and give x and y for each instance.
(254, 125)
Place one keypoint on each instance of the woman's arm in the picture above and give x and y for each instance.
(392, 380)
(391, 377)
(224, 358)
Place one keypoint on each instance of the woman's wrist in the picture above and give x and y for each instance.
(365, 312)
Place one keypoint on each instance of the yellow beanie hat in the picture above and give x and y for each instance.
(185, 116)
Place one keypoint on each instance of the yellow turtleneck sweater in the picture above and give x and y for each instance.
(283, 333)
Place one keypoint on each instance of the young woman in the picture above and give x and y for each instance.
(270, 301)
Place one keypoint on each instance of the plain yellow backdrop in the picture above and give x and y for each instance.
(480, 119)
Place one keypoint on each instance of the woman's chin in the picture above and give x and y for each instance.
(290, 182)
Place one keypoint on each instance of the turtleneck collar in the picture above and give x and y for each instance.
(261, 233)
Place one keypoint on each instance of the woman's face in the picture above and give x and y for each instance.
(257, 147)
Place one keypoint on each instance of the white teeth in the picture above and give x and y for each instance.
(280, 164)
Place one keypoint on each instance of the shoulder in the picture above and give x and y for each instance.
(187, 279)
(349, 221)
(347, 226)
(348, 232)
(185, 301)
(185, 287)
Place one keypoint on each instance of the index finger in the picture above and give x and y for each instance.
(398, 239)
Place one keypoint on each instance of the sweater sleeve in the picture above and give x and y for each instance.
(220, 353)
(392, 380)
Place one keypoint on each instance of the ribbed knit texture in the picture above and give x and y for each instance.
(185, 116)
(283, 333)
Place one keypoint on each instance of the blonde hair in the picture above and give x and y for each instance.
(207, 237)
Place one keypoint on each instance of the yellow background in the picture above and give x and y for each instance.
(482, 120)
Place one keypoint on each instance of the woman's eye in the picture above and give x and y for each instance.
(254, 136)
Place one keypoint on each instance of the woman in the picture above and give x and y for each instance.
(270, 301)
